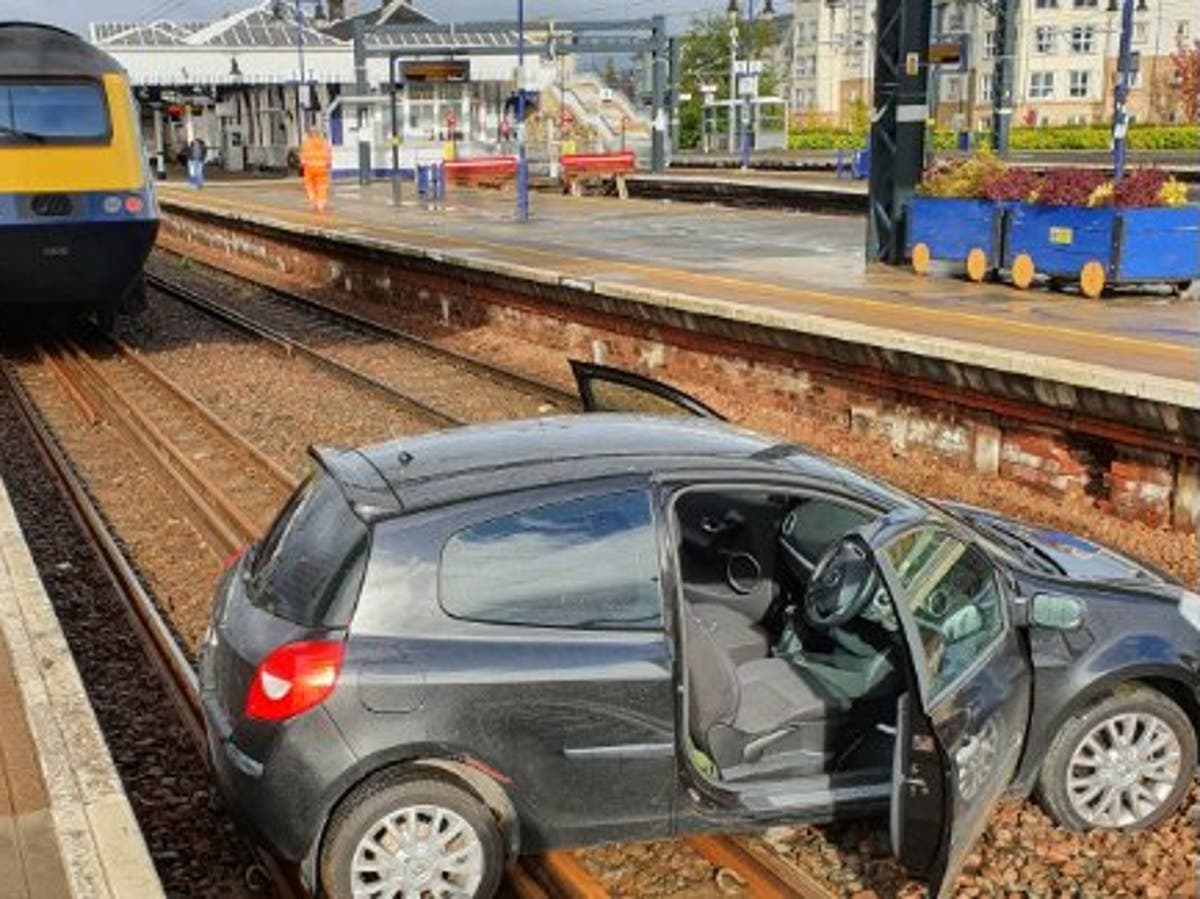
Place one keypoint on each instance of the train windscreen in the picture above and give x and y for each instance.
(66, 111)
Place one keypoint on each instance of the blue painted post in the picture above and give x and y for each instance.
(522, 156)
(1121, 94)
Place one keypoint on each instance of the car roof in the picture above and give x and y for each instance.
(446, 466)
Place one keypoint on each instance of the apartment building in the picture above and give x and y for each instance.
(1064, 66)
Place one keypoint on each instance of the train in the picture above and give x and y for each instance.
(78, 214)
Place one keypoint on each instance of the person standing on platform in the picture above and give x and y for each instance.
(196, 151)
(316, 159)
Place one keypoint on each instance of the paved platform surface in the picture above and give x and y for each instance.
(66, 827)
(797, 271)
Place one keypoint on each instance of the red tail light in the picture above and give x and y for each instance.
(134, 204)
(293, 679)
(234, 557)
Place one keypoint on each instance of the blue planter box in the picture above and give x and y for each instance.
(1133, 245)
(951, 228)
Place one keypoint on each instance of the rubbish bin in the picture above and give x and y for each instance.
(964, 141)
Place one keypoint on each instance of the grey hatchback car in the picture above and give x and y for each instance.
(499, 639)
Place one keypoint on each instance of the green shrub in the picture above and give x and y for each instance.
(827, 139)
(1055, 137)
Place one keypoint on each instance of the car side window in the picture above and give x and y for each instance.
(954, 598)
(588, 563)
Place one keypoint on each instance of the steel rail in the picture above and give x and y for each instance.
(147, 621)
(290, 346)
(498, 374)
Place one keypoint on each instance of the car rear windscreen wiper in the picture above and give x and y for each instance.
(24, 135)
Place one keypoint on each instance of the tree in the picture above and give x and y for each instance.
(705, 60)
(1187, 79)
(611, 77)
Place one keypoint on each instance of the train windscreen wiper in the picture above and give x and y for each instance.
(24, 135)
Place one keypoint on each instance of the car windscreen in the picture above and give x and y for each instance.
(312, 559)
(53, 112)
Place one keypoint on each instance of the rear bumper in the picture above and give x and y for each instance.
(72, 263)
(282, 801)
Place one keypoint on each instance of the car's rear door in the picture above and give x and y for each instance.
(606, 389)
(962, 724)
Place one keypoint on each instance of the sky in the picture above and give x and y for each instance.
(75, 14)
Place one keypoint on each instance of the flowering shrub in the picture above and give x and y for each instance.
(1139, 188)
(1012, 184)
(960, 178)
(1068, 186)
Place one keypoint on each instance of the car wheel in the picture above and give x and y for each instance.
(1125, 763)
(412, 837)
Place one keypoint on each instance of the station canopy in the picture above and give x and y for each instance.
(258, 44)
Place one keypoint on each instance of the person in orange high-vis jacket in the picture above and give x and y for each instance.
(316, 158)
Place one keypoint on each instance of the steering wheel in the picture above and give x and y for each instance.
(842, 585)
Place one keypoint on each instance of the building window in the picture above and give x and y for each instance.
(1046, 4)
(1041, 85)
(1083, 39)
(806, 66)
(989, 44)
(1140, 32)
(1081, 85)
(1043, 39)
(1183, 29)
(985, 88)
(1086, 4)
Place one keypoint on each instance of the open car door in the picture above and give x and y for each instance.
(962, 723)
(605, 389)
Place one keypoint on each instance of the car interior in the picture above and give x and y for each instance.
(774, 689)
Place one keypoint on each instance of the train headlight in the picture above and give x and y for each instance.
(134, 204)
(112, 205)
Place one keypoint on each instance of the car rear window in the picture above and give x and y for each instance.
(588, 563)
(53, 111)
(310, 565)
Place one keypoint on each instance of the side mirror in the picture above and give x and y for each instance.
(1056, 611)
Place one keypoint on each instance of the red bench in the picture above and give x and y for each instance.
(579, 167)
(492, 171)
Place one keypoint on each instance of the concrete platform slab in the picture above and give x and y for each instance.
(66, 826)
(797, 272)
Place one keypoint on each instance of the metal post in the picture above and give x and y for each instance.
(1002, 78)
(658, 90)
(160, 150)
(300, 123)
(897, 123)
(361, 88)
(522, 155)
(747, 105)
(396, 195)
(1124, 74)
(675, 55)
(733, 43)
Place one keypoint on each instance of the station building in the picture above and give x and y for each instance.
(1065, 63)
(251, 82)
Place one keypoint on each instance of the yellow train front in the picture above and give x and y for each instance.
(77, 210)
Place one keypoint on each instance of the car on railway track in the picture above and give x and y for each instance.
(564, 631)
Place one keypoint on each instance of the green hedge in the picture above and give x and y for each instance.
(1057, 137)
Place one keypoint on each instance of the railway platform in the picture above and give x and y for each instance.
(67, 830)
(793, 272)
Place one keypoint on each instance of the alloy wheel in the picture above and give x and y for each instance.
(418, 852)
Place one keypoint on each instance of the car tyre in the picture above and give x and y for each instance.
(1108, 731)
(476, 856)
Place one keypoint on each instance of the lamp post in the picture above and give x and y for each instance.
(733, 79)
(1125, 72)
(522, 155)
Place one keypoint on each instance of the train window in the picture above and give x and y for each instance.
(55, 111)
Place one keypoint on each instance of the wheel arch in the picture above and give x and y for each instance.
(1165, 679)
(461, 769)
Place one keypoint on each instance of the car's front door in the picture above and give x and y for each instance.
(606, 389)
(962, 724)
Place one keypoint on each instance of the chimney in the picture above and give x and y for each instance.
(337, 10)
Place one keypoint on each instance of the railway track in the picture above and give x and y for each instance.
(434, 382)
(230, 489)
